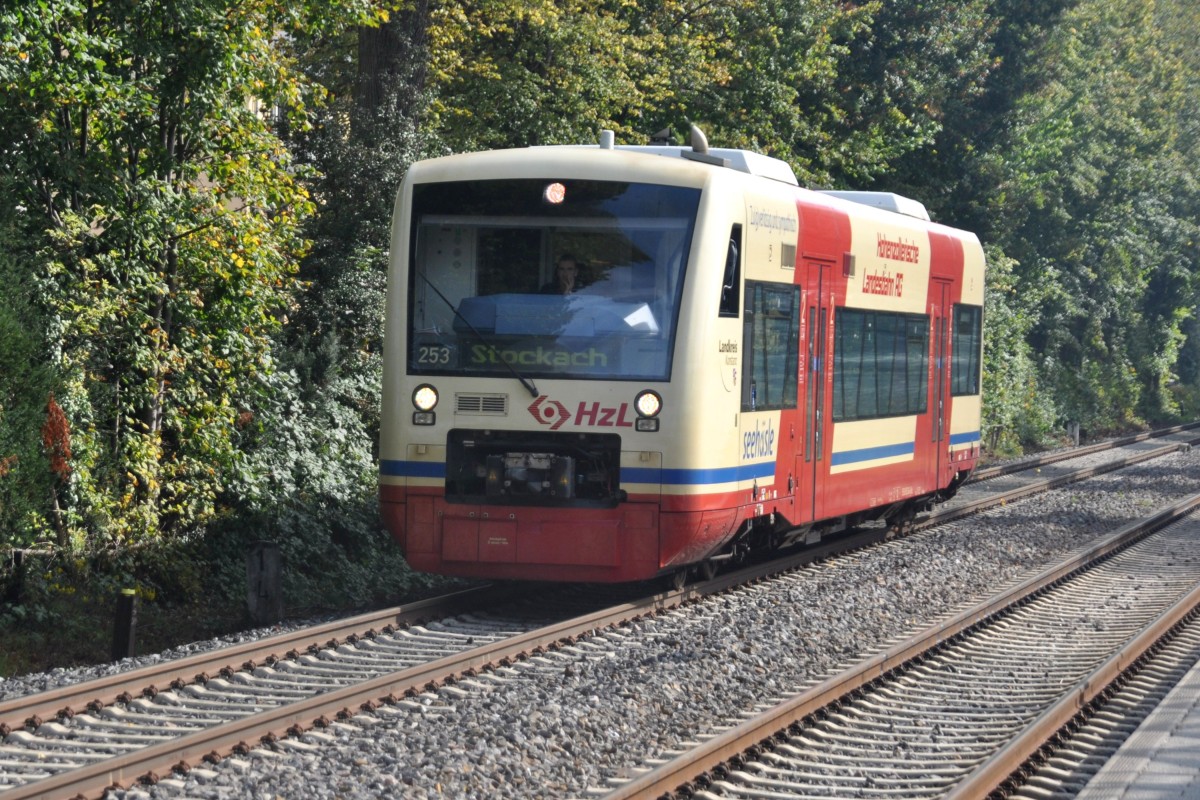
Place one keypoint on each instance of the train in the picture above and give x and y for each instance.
(612, 363)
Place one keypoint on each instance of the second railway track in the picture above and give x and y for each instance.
(959, 708)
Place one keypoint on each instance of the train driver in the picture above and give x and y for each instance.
(566, 275)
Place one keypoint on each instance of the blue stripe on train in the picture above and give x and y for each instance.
(872, 453)
(698, 477)
(893, 450)
(691, 477)
(413, 469)
(677, 477)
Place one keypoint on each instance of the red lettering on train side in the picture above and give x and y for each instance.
(621, 421)
(585, 415)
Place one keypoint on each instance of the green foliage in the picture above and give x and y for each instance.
(1091, 203)
(842, 91)
(1018, 410)
(796, 107)
(26, 381)
(914, 68)
(161, 215)
(195, 200)
(358, 153)
(512, 73)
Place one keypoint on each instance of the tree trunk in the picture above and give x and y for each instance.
(392, 66)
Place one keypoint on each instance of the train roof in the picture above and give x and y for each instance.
(888, 201)
(741, 160)
(745, 161)
(763, 166)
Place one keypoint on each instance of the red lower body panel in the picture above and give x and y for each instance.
(634, 541)
(640, 539)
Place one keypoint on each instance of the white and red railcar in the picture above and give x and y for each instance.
(744, 363)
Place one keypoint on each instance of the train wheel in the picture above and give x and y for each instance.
(677, 579)
(707, 570)
(901, 525)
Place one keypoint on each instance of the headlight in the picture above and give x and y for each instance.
(648, 404)
(425, 397)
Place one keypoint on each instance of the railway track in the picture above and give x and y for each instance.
(233, 700)
(1184, 433)
(1007, 484)
(959, 709)
(1075, 763)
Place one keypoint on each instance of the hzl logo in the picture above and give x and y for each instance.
(555, 414)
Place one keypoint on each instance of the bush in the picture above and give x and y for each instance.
(59, 609)
(336, 557)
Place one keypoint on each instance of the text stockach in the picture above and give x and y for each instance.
(540, 357)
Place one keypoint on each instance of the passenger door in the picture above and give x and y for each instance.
(812, 463)
(940, 313)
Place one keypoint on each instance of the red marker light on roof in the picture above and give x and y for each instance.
(555, 193)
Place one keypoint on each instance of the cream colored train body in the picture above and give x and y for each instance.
(741, 363)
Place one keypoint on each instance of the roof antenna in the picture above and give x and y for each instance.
(699, 151)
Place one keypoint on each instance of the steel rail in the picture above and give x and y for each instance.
(63, 701)
(67, 700)
(295, 717)
(1006, 763)
(20, 711)
(688, 767)
(242, 733)
(1088, 449)
(341, 702)
(943, 516)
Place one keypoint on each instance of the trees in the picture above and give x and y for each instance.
(507, 73)
(194, 247)
(840, 90)
(155, 217)
(1093, 200)
(26, 381)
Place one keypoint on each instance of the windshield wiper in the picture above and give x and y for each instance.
(526, 382)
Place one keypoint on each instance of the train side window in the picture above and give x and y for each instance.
(880, 365)
(964, 364)
(731, 279)
(771, 338)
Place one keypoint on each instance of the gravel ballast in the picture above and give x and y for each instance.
(562, 724)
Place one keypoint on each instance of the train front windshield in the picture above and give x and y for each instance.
(485, 295)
